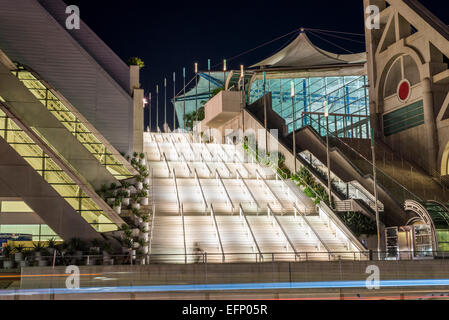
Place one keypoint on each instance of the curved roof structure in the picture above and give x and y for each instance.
(301, 52)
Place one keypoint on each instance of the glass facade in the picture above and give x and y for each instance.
(41, 162)
(40, 232)
(72, 123)
(346, 97)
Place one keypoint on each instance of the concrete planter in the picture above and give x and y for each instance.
(145, 250)
(139, 185)
(118, 209)
(146, 181)
(136, 205)
(146, 226)
(144, 201)
(18, 256)
(110, 201)
(145, 236)
(143, 162)
(126, 201)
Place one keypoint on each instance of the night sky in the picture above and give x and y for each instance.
(170, 35)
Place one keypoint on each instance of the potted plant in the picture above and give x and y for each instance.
(8, 263)
(118, 205)
(51, 246)
(124, 194)
(143, 246)
(144, 198)
(142, 160)
(146, 186)
(135, 204)
(145, 222)
(146, 177)
(39, 254)
(18, 255)
(110, 197)
(140, 180)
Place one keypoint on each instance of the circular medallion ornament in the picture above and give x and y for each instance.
(404, 90)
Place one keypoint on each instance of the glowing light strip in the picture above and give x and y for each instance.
(228, 287)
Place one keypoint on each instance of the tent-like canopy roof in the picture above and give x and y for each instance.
(301, 52)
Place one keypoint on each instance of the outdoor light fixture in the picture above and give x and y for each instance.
(196, 67)
(326, 111)
(224, 65)
(241, 71)
(292, 88)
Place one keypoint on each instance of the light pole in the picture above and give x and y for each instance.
(149, 113)
(329, 184)
(165, 105)
(373, 152)
(196, 92)
(184, 114)
(292, 94)
(265, 120)
(224, 74)
(157, 108)
(242, 79)
(208, 69)
(174, 100)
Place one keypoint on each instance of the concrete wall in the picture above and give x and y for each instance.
(18, 179)
(163, 274)
(35, 115)
(30, 35)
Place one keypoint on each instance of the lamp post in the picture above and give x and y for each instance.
(373, 152)
(265, 120)
(184, 114)
(157, 108)
(224, 74)
(174, 100)
(165, 105)
(208, 69)
(149, 113)
(242, 79)
(292, 94)
(196, 91)
(329, 184)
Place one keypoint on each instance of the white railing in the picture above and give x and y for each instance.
(250, 231)
(220, 245)
(220, 183)
(253, 198)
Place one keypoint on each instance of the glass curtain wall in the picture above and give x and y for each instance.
(72, 123)
(346, 96)
(41, 162)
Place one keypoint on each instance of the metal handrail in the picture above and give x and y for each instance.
(240, 177)
(304, 218)
(212, 213)
(413, 196)
(184, 232)
(245, 219)
(176, 188)
(218, 177)
(201, 188)
(258, 175)
(271, 214)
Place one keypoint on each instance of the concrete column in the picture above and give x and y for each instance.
(134, 78)
(429, 122)
(138, 119)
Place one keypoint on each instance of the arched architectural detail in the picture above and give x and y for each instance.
(386, 67)
(424, 216)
